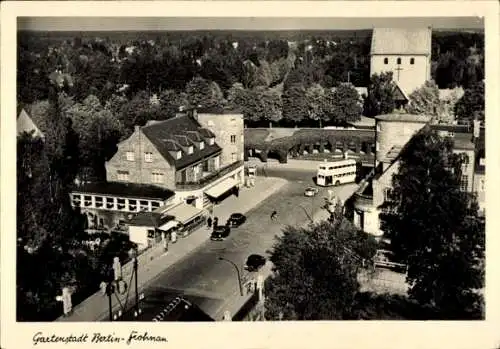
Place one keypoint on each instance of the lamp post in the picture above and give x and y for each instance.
(137, 310)
(237, 272)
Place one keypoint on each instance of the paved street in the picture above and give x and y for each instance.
(206, 280)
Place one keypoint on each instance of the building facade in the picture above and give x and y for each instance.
(178, 168)
(406, 52)
(393, 131)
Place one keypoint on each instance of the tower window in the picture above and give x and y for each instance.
(412, 60)
(399, 60)
(386, 60)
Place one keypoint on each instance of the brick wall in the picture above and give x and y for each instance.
(139, 171)
(224, 126)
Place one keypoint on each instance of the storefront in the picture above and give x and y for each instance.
(229, 186)
(188, 217)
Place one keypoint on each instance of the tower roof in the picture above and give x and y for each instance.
(401, 41)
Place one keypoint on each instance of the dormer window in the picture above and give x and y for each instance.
(190, 149)
(211, 141)
(202, 145)
(178, 154)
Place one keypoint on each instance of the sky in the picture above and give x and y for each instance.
(243, 23)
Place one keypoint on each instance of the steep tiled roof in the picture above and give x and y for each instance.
(206, 133)
(167, 135)
(411, 41)
(194, 136)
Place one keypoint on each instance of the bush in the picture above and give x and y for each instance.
(263, 156)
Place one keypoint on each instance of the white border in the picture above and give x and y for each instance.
(376, 334)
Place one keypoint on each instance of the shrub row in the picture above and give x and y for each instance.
(307, 140)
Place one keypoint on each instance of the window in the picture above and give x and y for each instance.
(178, 155)
(398, 61)
(130, 156)
(123, 175)
(388, 194)
(464, 183)
(157, 177)
(233, 139)
(211, 141)
(481, 185)
(190, 149)
(148, 157)
(412, 60)
(202, 145)
(386, 60)
(234, 157)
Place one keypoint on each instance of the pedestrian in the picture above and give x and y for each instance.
(165, 242)
(209, 222)
(274, 215)
(216, 222)
(173, 236)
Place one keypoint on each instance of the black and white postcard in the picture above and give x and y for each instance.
(173, 169)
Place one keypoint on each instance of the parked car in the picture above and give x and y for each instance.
(220, 233)
(255, 262)
(236, 219)
(310, 191)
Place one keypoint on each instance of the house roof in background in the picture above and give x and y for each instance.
(128, 190)
(25, 124)
(411, 41)
(165, 135)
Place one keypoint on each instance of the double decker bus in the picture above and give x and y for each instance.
(336, 172)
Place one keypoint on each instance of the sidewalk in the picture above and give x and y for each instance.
(96, 307)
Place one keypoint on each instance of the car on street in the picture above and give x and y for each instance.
(310, 191)
(220, 233)
(236, 219)
(255, 262)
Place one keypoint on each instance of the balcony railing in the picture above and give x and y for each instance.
(210, 178)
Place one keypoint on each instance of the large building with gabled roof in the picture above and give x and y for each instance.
(198, 157)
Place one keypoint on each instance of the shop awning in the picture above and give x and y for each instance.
(219, 189)
(183, 213)
(168, 225)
